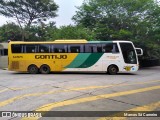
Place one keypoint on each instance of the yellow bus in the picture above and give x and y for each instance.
(73, 55)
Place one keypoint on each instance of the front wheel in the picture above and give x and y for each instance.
(112, 70)
(45, 69)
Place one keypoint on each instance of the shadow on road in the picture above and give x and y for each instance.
(74, 73)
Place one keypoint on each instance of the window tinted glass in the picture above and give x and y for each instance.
(93, 48)
(107, 48)
(76, 48)
(16, 48)
(31, 48)
(128, 53)
(5, 52)
(90, 48)
(99, 48)
(51, 48)
(1, 52)
(115, 48)
(59, 48)
(44, 48)
(110, 48)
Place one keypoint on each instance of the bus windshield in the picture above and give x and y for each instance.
(128, 52)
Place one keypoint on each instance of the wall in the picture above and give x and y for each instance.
(3, 59)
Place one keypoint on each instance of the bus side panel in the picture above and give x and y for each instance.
(86, 62)
(112, 59)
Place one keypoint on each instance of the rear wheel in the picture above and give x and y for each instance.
(44, 69)
(33, 69)
(112, 70)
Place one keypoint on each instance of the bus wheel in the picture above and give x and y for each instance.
(33, 69)
(45, 69)
(112, 69)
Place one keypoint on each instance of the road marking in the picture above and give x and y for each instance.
(149, 107)
(113, 85)
(50, 106)
(3, 90)
(8, 89)
(83, 88)
(88, 87)
(11, 100)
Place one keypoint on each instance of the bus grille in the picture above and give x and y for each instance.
(15, 65)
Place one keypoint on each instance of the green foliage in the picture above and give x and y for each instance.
(10, 31)
(71, 32)
(45, 32)
(28, 12)
(135, 20)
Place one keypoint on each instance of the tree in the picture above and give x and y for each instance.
(27, 12)
(110, 17)
(40, 32)
(71, 32)
(10, 31)
(135, 20)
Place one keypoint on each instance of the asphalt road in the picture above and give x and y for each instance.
(77, 92)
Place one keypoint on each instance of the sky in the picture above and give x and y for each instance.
(65, 12)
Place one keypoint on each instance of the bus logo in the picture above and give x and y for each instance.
(50, 56)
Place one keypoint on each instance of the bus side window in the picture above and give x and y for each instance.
(75, 48)
(5, 52)
(42, 50)
(51, 48)
(115, 48)
(60, 48)
(90, 48)
(17, 48)
(1, 53)
(56, 50)
(107, 48)
(99, 48)
(31, 48)
(45, 48)
(93, 48)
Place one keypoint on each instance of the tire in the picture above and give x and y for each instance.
(112, 70)
(33, 69)
(45, 69)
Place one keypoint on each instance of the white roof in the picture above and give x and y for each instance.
(3, 45)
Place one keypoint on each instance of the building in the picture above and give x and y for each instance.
(3, 55)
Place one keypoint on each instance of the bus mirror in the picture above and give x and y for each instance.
(139, 51)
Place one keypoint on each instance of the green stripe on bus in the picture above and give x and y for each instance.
(92, 59)
(100, 42)
(79, 60)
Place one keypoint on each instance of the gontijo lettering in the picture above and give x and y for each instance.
(50, 56)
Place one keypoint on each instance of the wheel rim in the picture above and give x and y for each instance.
(113, 69)
(45, 69)
(32, 69)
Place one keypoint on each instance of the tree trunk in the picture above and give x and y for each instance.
(23, 35)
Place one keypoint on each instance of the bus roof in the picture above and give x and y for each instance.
(66, 41)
